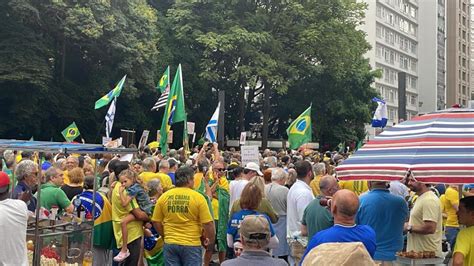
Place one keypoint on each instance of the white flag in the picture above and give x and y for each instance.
(109, 118)
(211, 128)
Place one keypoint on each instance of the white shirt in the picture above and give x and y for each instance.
(299, 196)
(13, 221)
(399, 189)
(235, 190)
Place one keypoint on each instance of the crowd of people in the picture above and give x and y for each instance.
(207, 208)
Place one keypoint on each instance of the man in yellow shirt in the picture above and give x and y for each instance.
(424, 227)
(134, 228)
(183, 218)
(319, 170)
(149, 169)
(464, 249)
(451, 197)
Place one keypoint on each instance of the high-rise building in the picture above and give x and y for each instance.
(458, 89)
(471, 30)
(432, 56)
(392, 31)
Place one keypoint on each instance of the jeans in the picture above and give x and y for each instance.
(182, 255)
(451, 234)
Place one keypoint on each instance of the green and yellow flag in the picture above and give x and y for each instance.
(106, 99)
(174, 109)
(71, 132)
(164, 81)
(299, 131)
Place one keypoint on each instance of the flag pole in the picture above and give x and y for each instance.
(103, 122)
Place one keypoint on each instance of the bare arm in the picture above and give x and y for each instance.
(217, 154)
(124, 198)
(458, 259)
(209, 231)
(140, 215)
(202, 152)
(70, 208)
(428, 227)
(304, 230)
(159, 227)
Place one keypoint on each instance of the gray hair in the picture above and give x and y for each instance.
(278, 174)
(164, 164)
(153, 185)
(319, 169)
(9, 157)
(59, 163)
(291, 176)
(50, 173)
(148, 164)
(25, 168)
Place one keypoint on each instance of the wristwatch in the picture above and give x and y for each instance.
(409, 228)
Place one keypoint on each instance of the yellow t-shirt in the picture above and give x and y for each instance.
(356, 186)
(465, 245)
(452, 198)
(66, 177)
(314, 184)
(197, 179)
(427, 208)
(444, 203)
(182, 211)
(134, 228)
(165, 179)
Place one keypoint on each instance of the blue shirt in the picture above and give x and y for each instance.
(238, 217)
(173, 179)
(343, 234)
(386, 214)
(21, 187)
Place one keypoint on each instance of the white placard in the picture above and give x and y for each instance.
(243, 138)
(190, 128)
(126, 158)
(249, 154)
(143, 139)
(170, 136)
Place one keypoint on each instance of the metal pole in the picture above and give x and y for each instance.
(37, 251)
(220, 129)
(93, 202)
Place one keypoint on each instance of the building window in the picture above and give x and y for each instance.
(413, 100)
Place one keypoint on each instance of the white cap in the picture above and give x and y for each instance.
(254, 167)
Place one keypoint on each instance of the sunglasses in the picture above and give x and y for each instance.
(219, 169)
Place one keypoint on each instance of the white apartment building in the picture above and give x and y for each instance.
(432, 55)
(392, 31)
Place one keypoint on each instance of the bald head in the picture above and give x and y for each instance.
(345, 204)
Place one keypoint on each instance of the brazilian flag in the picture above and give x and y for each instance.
(71, 132)
(164, 81)
(299, 131)
(114, 93)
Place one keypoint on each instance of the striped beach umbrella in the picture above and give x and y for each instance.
(435, 148)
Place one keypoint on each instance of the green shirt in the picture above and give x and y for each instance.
(316, 217)
(52, 195)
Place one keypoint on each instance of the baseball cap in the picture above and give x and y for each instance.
(4, 182)
(255, 229)
(254, 167)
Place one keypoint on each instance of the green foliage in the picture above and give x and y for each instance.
(58, 57)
